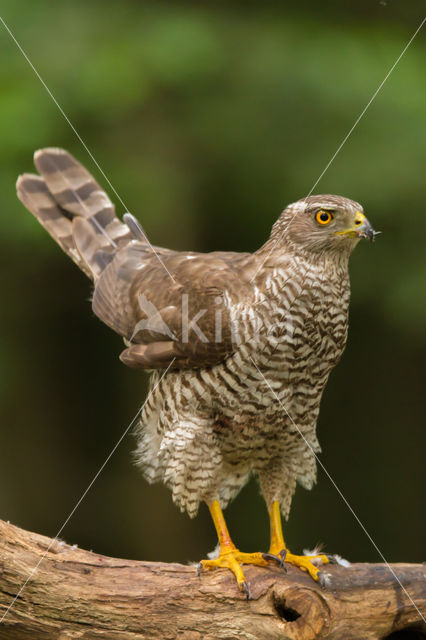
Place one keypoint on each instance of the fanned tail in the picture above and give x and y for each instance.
(74, 209)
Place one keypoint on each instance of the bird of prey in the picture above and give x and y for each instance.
(239, 345)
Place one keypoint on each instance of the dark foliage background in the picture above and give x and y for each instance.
(208, 118)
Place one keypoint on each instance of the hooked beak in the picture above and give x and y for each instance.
(360, 229)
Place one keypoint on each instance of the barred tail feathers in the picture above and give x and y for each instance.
(74, 209)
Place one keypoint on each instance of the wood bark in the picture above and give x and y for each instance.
(76, 594)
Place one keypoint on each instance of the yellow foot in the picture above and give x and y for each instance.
(232, 559)
(307, 563)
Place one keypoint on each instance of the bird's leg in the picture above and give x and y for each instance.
(277, 545)
(279, 550)
(229, 556)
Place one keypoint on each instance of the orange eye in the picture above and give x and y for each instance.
(323, 217)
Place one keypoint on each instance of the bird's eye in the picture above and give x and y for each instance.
(323, 217)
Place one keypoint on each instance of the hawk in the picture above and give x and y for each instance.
(239, 345)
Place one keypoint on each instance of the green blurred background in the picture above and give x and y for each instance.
(208, 118)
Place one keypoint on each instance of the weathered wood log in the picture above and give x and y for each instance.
(77, 594)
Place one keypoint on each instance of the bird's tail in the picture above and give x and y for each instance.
(75, 210)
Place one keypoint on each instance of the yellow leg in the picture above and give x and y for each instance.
(277, 539)
(229, 556)
(224, 538)
(278, 546)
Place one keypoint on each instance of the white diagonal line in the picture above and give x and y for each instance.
(366, 106)
(345, 139)
(79, 137)
(340, 493)
(84, 494)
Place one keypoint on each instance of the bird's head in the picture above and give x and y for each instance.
(324, 222)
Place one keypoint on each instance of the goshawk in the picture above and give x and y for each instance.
(239, 345)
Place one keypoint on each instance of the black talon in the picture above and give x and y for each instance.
(246, 590)
(271, 556)
(199, 569)
(283, 554)
(279, 558)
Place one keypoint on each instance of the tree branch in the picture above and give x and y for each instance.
(77, 594)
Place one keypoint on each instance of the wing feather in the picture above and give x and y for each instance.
(187, 319)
